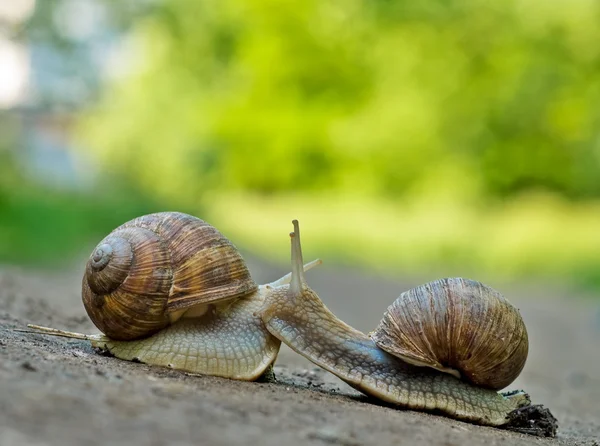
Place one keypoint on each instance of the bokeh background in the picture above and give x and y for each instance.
(432, 138)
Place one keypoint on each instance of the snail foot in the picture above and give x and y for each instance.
(534, 419)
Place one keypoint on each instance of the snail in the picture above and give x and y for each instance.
(169, 289)
(446, 346)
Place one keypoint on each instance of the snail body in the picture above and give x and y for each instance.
(296, 315)
(168, 289)
(228, 340)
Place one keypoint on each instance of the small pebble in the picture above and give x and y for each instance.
(28, 366)
(332, 436)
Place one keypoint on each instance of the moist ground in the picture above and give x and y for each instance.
(59, 391)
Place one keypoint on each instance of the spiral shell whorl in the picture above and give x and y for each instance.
(109, 264)
(127, 282)
(101, 256)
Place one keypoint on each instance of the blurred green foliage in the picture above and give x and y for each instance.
(42, 226)
(441, 136)
(384, 98)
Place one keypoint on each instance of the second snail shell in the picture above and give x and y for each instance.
(458, 326)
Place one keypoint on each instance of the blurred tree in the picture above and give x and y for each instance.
(467, 127)
(272, 95)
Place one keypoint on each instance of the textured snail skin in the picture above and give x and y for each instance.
(306, 325)
(228, 341)
(296, 315)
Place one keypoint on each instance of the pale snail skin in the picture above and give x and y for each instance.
(203, 325)
(226, 340)
(295, 315)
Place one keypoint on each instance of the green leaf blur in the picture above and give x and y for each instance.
(271, 96)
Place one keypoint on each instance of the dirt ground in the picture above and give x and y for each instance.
(55, 391)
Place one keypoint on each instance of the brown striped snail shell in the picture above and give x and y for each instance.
(458, 326)
(142, 275)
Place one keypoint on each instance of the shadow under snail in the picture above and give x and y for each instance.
(445, 346)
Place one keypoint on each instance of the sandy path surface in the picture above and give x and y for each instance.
(55, 391)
